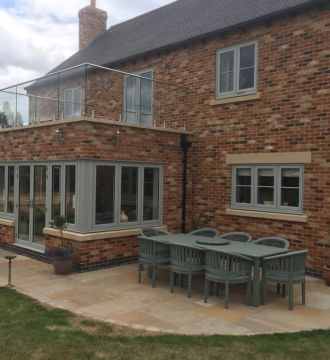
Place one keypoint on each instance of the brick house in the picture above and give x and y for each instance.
(212, 109)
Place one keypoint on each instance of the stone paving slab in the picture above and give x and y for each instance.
(114, 295)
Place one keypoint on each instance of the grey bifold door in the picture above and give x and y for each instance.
(31, 205)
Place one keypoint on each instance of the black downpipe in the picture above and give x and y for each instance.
(186, 143)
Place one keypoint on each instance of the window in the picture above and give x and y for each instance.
(2, 188)
(105, 195)
(7, 178)
(127, 195)
(276, 188)
(72, 102)
(237, 70)
(11, 189)
(70, 193)
(138, 98)
(56, 191)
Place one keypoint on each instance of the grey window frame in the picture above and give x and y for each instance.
(138, 73)
(276, 207)
(117, 224)
(236, 73)
(5, 214)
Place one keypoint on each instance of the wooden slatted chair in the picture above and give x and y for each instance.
(287, 269)
(186, 261)
(227, 269)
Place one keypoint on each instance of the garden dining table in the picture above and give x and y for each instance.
(253, 251)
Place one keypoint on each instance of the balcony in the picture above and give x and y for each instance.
(92, 91)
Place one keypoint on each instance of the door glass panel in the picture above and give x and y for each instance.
(70, 193)
(2, 189)
(10, 191)
(105, 195)
(129, 194)
(39, 204)
(151, 194)
(56, 191)
(24, 203)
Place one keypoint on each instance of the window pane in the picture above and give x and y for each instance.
(105, 195)
(146, 94)
(2, 188)
(246, 78)
(247, 56)
(70, 193)
(290, 177)
(68, 103)
(243, 176)
(290, 197)
(77, 102)
(226, 82)
(131, 94)
(10, 192)
(227, 62)
(151, 194)
(129, 194)
(266, 177)
(265, 196)
(243, 194)
(56, 191)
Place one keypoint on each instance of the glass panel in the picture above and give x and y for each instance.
(246, 79)
(266, 196)
(24, 203)
(68, 103)
(243, 194)
(290, 197)
(56, 191)
(151, 194)
(146, 97)
(266, 177)
(227, 62)
(131, 101)
(226, 82)
(129, 194)
(70, 193)
(2, 189)
(11, 189)
(105, 195)
(77, 102)
(39, 204)
(247, 56)
(290, 177)
(243, 176)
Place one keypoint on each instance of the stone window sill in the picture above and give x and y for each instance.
(7, 222)
(235, 99)
(95, 236)
(267, 215)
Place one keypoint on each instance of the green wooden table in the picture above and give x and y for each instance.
(253, 251)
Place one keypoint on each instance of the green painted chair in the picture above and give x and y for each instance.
(274, 241)
(152, 254)
(150, 232)
(207, 232)
(186, 261)
(287, 269)
(237, 236)
(227, 269)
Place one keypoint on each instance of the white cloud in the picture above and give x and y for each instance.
(36, 35)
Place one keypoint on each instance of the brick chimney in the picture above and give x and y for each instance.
(92, 22)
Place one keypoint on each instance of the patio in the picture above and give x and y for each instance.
(114, 295)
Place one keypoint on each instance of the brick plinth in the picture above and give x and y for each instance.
(7, 234)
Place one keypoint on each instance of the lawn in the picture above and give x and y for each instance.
(31, 331)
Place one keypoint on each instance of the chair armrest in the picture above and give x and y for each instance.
(285, 255)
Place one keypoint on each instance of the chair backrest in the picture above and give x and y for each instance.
(150, 232)
(207, 232)
(237, 236)
(150, 250)
(292, 263)
(274, 241)
(227, 265)
(186, 258)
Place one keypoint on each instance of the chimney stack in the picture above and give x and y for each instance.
(92, 22)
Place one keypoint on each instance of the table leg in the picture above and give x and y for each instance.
(10, 285)
(256, 283)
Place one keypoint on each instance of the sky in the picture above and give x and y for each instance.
(37, 35)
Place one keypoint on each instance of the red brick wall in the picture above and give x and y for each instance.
(7, 234)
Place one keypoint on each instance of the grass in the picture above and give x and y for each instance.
(31, 331)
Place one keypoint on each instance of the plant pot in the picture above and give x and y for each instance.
(63, 266)
(326, 274)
